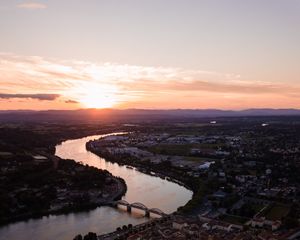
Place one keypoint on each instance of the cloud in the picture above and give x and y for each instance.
(71, 101)
(217, 87)
(39, 96)
(32, 5)
(75, 80)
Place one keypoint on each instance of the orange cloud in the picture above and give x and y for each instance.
(32, 5)
(107, 84)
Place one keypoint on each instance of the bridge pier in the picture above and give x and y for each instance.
(147, 213)
(129, 208)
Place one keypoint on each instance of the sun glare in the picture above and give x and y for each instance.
(96, 101)
(99, 97)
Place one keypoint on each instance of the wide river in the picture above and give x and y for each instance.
(152, 191)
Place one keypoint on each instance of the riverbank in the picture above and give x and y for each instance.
(39, 187)
(163, 170)
(34, 181)
(143, 188)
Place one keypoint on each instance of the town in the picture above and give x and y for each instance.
(244, 175)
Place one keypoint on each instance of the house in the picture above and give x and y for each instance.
(179, 224)
(257, 222)
(263, 222)
(219, 194)
(218, 225)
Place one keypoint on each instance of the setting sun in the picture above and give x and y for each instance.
(98, 96)
(98, 101)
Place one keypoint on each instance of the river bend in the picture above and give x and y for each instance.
(152, 191)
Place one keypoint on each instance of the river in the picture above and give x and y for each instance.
(152, 191)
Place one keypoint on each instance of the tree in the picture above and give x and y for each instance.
(78, 237)
(90, 236)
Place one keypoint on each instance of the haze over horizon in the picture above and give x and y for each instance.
(170, 54)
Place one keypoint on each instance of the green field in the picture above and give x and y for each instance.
(179, 149)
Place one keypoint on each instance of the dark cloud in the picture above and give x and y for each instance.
(39, 96)
(71, 101)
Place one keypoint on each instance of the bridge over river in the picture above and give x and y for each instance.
(140, 206)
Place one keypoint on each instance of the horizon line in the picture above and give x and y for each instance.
(147, 109)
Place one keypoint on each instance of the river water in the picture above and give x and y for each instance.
(152, 191)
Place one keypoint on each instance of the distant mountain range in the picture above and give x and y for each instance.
(135, 114)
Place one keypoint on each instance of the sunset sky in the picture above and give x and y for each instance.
(227, 54)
